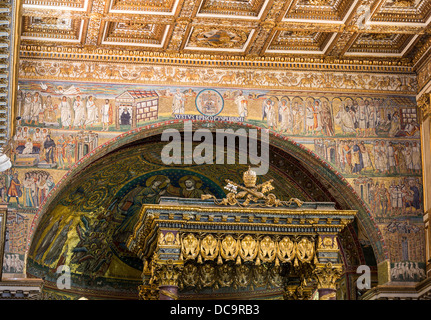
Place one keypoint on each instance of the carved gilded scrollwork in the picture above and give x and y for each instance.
(209, 247)
(207, 275)
(167, 273)
(225, 275)
(243, 276)
(189, 276)
(424, 105)
(305, 250)
(286, 250)
(229, 248)
(326, 243)
(267, 249)
(248, 249)
(189, 246)
(260, 276)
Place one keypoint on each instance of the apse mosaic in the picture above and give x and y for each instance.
(147, 189)
(370, 140)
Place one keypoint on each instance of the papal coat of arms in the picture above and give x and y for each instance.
(251, 194)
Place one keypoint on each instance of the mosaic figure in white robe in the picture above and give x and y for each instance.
(79, 108)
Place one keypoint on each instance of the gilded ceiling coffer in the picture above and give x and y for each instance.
(195, 244)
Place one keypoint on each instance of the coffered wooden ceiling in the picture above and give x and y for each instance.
(390, 32)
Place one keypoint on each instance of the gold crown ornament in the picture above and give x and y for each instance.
(249, 178)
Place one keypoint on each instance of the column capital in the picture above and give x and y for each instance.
(167, 272)
(327, 274)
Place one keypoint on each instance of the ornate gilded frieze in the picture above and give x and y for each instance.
(214, 260)
(247, 248)
(308, 219)
(252, 78)
(214, 276)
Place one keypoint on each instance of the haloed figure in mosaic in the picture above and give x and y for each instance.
(285, 116)
(106, 115)
(28, 147)
(79, 109)
(148, 192)
(178, 102)
(14, 190)
(29, 190)
(49, 147)
(312, 117)
(326, 119)
(37, 109)
(269, 113)
(383, 200)
(297, 118)
(27, 108)
(362, 118)
(65, 113)
(189, 188)
(50, 113)
(242, 105)
(60, 151)
(92, 112)
(345, 120)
